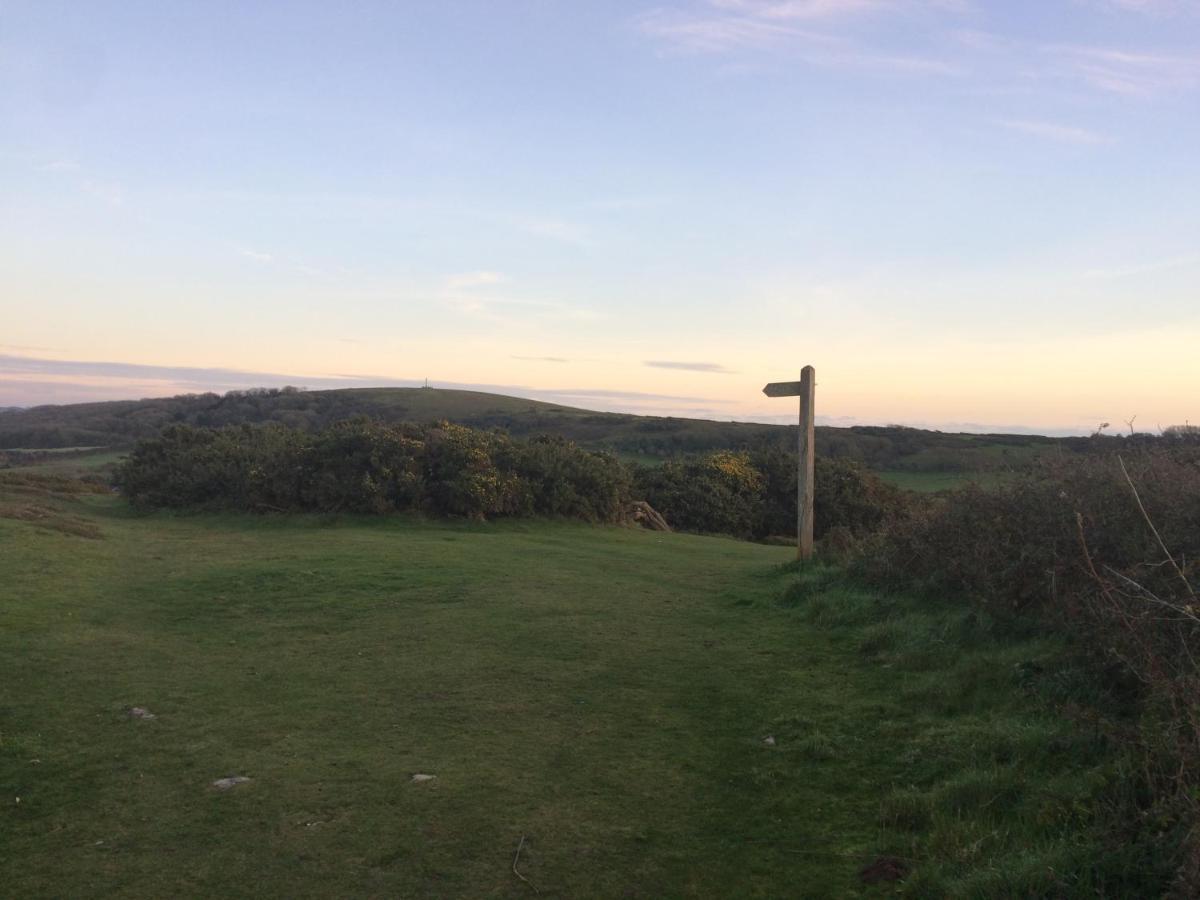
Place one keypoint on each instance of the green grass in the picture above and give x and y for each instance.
(603, 693)
(75, 464)
(927, 482)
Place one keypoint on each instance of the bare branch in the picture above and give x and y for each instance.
(514, 866)
(1145, 515)
(1184, 612)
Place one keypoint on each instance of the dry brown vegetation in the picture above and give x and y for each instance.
(40, 499)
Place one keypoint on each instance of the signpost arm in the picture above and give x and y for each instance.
(804, 486)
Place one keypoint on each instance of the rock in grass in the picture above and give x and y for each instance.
(224, 784)
(140, 712)
(421, 778)
(769, 740)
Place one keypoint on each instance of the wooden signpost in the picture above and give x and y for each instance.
(804, 389)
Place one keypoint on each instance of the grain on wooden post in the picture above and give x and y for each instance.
(805, 389)
(804, 485)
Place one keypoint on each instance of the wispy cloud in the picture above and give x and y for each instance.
(549, 226)
(554, 229)
(106, 190)
(111, 193)
(1145, 268)
(256, 255)
(25, 349)
(791, 26)
(59, 165)
(628, 204)
(548, 359)
(467, 280)
(1020, 65)
(1156, 8)
(827, 33)
(470, 293)
(1055, 131)
(1125, 72)
(832, 10)
(801, 9)
(711, 367)
(700, 33)
(501, 309)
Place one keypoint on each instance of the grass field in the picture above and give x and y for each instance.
(75, 464)
(605, 694)
(927, 482)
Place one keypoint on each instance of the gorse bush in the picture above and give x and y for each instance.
(754, 495)
(465, 473)
(368, 467)
(560, 479)
(720, 493)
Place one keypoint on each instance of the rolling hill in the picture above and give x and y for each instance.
(117, 424)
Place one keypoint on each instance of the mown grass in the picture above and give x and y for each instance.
(607, 694)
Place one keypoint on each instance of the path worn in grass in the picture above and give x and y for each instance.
(604, 693)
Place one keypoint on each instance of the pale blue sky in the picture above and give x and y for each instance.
(959, 211)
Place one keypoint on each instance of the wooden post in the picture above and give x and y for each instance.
(805, 389)
(806, 473)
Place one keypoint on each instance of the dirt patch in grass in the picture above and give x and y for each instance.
(60, 487)
(884, 869)
(46, 517)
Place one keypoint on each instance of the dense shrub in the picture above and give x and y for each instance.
(462, 477)
(1108, 551)
(850, 498)
(1018, 545)
(720, 493)
(754, 495)
(356, 466)
(562, 480)
(370, 467)
(847, 497)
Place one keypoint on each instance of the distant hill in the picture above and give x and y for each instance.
(122, 423)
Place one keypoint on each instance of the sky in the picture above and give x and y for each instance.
(966, 214)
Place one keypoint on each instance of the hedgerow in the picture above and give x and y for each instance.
(1105, 550)
(366, 466)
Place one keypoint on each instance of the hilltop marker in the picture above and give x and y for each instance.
(804, 389)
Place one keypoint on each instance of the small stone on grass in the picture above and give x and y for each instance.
(224, 784)
(769, 740)
(421, 778)
(140, 712)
